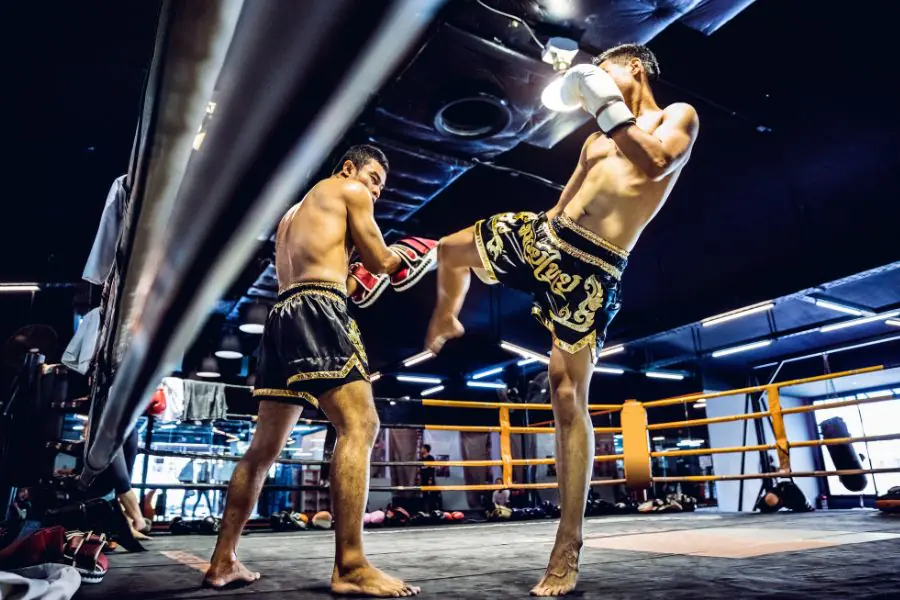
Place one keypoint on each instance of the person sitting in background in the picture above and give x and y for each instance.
(500, 497)
(785, 495)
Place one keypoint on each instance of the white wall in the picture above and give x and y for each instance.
(723, 435)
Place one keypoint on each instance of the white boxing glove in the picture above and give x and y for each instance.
(600, 96)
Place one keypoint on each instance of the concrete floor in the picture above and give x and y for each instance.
(837, 554)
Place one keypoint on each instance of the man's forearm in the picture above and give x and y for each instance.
(642, 149)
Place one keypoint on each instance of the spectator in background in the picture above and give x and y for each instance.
(500, 497)
(431, 500)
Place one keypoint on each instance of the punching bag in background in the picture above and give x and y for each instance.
(844, 456)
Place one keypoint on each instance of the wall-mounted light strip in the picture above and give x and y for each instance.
(742, 348)
(418, 379)
(611, 350)
(432, 390)
(374, 377)
(856, 322)
(664, 375)
(738, 314)
(843, 308)
(486, 385)
(418, 358)
(609, 370)
(487, 373)
(524, 352)
(19, 287)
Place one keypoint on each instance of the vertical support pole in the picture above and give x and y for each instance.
(781, 439)
(635, 445)
(148, 440)
(505, 446)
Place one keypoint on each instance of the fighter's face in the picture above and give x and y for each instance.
(625, 74)
(372, 175)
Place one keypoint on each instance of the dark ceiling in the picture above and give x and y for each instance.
(789, 186)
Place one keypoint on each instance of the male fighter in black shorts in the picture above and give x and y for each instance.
(571, 258)
(312, 354)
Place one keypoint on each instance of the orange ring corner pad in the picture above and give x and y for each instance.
(635, 446)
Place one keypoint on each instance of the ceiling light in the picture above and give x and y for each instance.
(432, 390)
(417, 358)
(699, 405)
(393, 403)
(837, 306)
(483, 374)
(374, 377)
(418, 379)
(862, 321)
(81, 417)
(742, 348)
(609, 370)
(78, 428)
(255, 321)
(664, 375)
(209, 368)
(659, 438)
(611, 350)
(690, 442)
(486, 384)
(526, 361)
(19, 287)
(524, 352)
(737, 314)
(893, 322)
(230, 348)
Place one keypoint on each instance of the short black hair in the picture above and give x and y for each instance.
(360, 155)
(427, 447)
(628, 51)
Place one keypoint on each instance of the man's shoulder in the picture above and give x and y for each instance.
(348, 190)
(681, 111)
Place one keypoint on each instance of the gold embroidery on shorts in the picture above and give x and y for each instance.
(356, 340)
(328, 285)
(582, 320)
(588, 340)
(543, 259)
(482, 253)
(590, 236)
(353, 361)
(580, 254)
(286, 394)
(301, 293)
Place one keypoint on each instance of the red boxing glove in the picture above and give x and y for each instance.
(157, 403)
(369, 286)
(419, 256)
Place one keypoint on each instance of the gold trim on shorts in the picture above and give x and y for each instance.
(590, 236)
(482, 253)
(330, 285)
(589, 339)
(287, 394)
(299, 293)
(581, 254)
(353, 361)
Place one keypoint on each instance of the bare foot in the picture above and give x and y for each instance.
(562, 573)
(440, 330)
(140, 536)
(369, 581)
(230, 574)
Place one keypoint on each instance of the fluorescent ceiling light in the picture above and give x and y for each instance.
(659, 438)
(609, 370)
(417, 358)
(483, 374)
(78, 428)
(252, 328)
(837, 306)
(486, 384)
(432, 390)
(699, 405)
(893, 322)
(208, 374)
(742, 348)
(19, 287)
(81, 417)
(737, 314)
(611, 350)
(374, 377)
(418, 379)
(691, 443)
(526, 361)
(862, 321)
(664, 375)
(524, 352)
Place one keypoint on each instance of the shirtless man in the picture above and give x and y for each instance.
(311, 353)
(571, 258)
